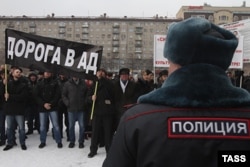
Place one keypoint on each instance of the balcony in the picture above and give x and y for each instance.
(115, 50)
(85, 26)
(62, 31)
(116, 31)
(32, 25)
(85, 31)
(62, 25)
(116, 25)
(138, 30)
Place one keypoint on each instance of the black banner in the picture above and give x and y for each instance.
(53, 55)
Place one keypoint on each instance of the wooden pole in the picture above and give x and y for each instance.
(6, 79)
(93, 104)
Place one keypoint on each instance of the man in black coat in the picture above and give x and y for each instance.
(14, 108)
(125, 93)
(103, 116)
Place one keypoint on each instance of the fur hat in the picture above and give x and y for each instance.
(197, 40)
(124, 71)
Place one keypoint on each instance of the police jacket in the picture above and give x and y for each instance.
(184, 123)
(47, 91)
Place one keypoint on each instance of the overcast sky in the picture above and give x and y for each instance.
(113, 8)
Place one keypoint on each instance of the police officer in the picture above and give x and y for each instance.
(195, 114)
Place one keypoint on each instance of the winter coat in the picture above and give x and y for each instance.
(126, 98)
(194, 115)
(47, 91)
(18, 95)
(61, 105)
(104, 103)
(142, 87)
(2, 86)
(31, 90)
(74, 96)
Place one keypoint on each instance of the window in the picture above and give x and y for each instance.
(223, 18)
(211, 18)
(245, 17)
(138, 49)
(198, 16)
(85, 36)
(236, 18)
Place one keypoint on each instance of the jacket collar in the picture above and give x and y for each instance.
(198, 85)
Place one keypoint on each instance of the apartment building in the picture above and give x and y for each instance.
(127, 42)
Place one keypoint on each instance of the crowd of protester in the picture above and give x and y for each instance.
(36, 101)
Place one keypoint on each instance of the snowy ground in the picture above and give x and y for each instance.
(50, 156)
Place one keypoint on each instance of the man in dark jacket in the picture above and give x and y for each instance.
(32, 115)
(14, 108)
(195, 114)
(144, 84)
(62, 108)
(125, 93)
(47, 94)
(103, 114)
(73, 95)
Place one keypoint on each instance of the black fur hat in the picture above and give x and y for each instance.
(197, 40)
(124, 71)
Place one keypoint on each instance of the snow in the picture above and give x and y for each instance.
(50, 155)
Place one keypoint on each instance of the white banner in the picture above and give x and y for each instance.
(237, 61)
(241, 29)
(242, 54)
(159, 59)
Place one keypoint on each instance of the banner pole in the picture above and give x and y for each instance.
(93, 104)
(6, 79)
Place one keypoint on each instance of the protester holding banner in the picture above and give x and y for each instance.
(197, 115)
(47, 94)
(104, 112)
(74, 95)
(15, 106)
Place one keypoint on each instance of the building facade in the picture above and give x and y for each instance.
(127, 42)
(217, 15)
